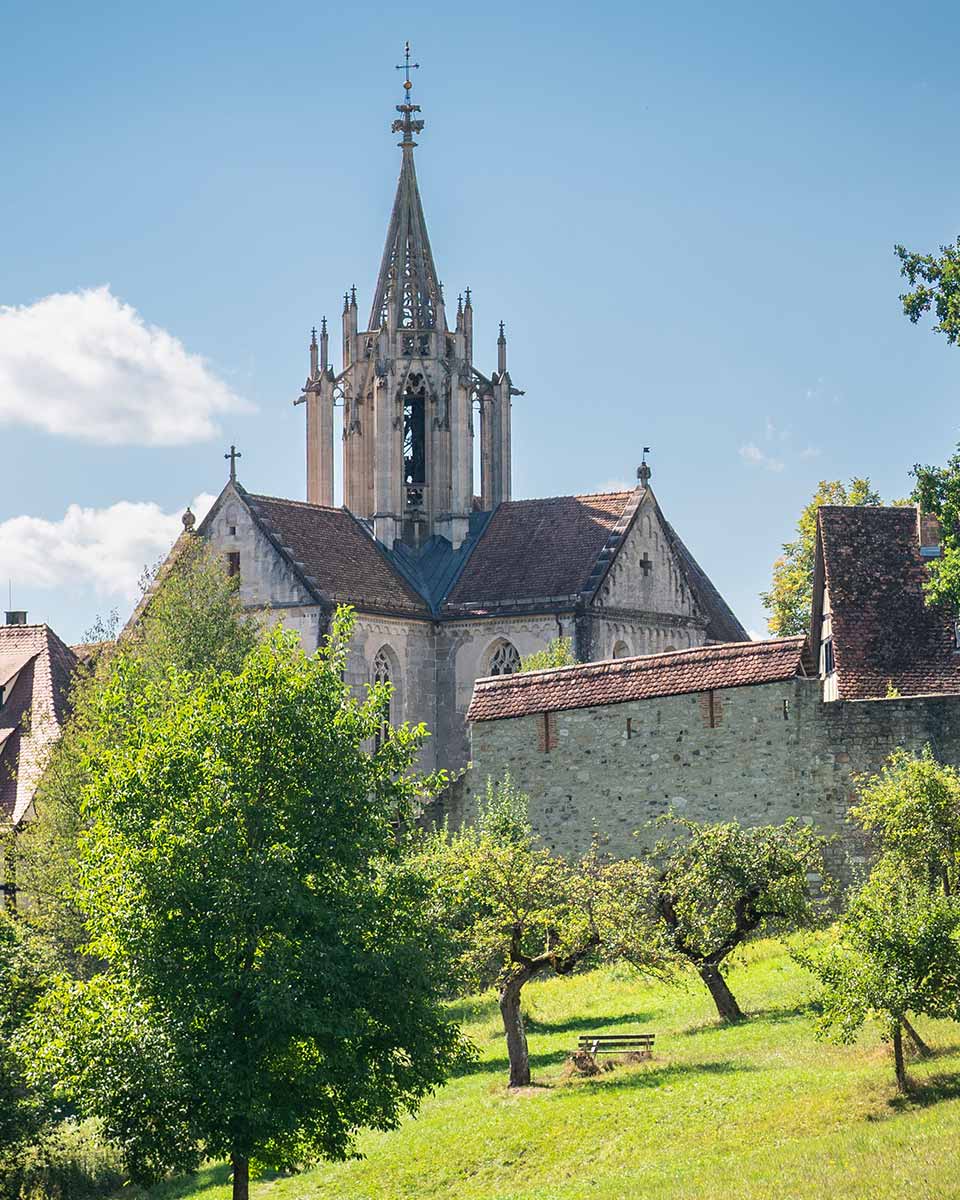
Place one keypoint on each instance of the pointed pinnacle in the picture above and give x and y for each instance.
(323, 324)
(467, 290)
(346, 301)
(503, 336)
(313, 336)
(353, 295)
(460, 303)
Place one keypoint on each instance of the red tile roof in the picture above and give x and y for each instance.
(33, 710)
(338, 559)
(884, 634)
(533, 550)
(735, 664)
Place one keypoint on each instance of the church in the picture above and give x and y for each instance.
(451, 582)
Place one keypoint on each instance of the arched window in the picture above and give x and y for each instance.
(621, 650)
(382, 673)
(504, 660)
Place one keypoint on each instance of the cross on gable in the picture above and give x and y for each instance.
(233, 455)
(646, 564)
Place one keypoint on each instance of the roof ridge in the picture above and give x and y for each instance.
(298, 503)
(715, 649)
(568, 496)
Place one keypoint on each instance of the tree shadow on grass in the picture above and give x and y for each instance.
(533, 1025)
(215, 1175)
(656, 1075)
(930, 1091)
(760, 1016)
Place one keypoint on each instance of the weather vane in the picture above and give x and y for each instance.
(406, 125)
(406, 67)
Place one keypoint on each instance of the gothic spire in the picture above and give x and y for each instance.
(408, 290)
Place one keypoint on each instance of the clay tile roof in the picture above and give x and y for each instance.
(34, 708)
(884, 635)
(537, 550)
(735, 664)
(338, 558)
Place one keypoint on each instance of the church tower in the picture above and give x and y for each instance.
(408, 388)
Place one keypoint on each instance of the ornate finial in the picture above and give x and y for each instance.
(406, 125)
(323, 325)
(233, 455)
(460, 305)
(503, 336)
(643, 471)
(313, 336)
(189, 520)
(467, 294)
(346, 301)
(353, 295)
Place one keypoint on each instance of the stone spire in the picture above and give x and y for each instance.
(407, 295)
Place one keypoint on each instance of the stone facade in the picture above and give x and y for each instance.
(755, 754)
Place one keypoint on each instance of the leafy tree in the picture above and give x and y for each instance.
(719, 885)
(791, 592)
(938, 492)
(936, 284)
(912, 807)
(269, 983)
(190, 620)
(895, 951)
(24, 1111)
(520, 912)
(559, 653)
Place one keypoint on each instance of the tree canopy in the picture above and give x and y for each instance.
(791, 591)
(935, 280)
(720, 884)
(559, 653)
(937, 491)
(269, 985)
(520, 911)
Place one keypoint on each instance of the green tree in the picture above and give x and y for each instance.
(558, 654)
(912, 808)
(895, 951)
(191, 619)
(269, 983)
(719, 885)
(937, 491)
(791, 592)
(24, 1110)
(520, 912)
(936, 284)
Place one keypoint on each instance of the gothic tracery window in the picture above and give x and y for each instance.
(414, 438)
(382, 674)
(504, 660)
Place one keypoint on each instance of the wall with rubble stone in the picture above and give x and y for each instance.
(754, 754)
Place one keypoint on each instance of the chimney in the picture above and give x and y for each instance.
(17, 617)
(928, 534)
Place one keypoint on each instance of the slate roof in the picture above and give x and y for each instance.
(884, 634)
(337, 558)
(36, 670)
(615, 681)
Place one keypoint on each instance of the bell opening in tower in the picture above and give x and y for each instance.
(414, 442)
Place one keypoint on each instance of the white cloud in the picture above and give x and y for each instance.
(750, 452)
(102, 548)
(85, 365)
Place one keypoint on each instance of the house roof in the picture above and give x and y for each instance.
(618, 680)
(335, 555)
(885, 636)
(533, 550)
(33, 711)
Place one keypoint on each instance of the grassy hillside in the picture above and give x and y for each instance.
(756, 1111)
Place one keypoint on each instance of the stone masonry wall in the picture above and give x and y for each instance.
(754, 754)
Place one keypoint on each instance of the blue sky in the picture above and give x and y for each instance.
(685, 214)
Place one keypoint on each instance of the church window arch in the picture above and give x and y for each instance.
(621, 649)
(503, 658)
(386, 669)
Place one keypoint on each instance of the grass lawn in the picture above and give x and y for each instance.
(759, 1110)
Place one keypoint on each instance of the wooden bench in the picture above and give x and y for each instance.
(617, 1043)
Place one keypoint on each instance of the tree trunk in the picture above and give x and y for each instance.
(920, 1045)
(241, 1177)
(516, 1035)
(898, 1063)
(723, 998)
